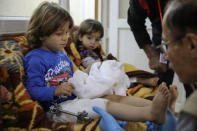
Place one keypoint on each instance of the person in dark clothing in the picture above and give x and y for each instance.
(138, 11)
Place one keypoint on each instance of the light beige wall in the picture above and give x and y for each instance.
(123, 7)
(19, 7)
(81, 10)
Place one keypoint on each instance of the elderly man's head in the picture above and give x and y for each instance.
(180, 34)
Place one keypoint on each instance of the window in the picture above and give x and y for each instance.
(18, 8)
(14, 14)
(81, 10)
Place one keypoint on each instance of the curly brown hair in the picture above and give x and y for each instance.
(46, 19)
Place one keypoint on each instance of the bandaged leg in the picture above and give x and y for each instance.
(76, 106)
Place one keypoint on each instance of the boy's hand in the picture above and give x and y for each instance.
(64, 89)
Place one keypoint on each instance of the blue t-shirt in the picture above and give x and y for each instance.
(45, 70)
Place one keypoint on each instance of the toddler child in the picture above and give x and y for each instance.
(48, 70)
(87, 40)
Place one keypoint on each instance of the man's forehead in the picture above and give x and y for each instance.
(166, 32)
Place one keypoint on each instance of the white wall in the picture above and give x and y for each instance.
(81, 10)
(14, 14)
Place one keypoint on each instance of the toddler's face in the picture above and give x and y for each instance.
(91, 41)
(56, 41)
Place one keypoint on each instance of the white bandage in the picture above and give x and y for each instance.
(76, 106)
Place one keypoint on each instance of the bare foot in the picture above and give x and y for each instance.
(149, 81)
(173, 96)
(160, 104)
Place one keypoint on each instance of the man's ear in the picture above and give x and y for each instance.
(193, 44)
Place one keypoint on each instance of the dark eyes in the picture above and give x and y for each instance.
(97, 40)
(90, 38)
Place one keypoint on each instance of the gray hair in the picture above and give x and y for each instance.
(181, 17)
